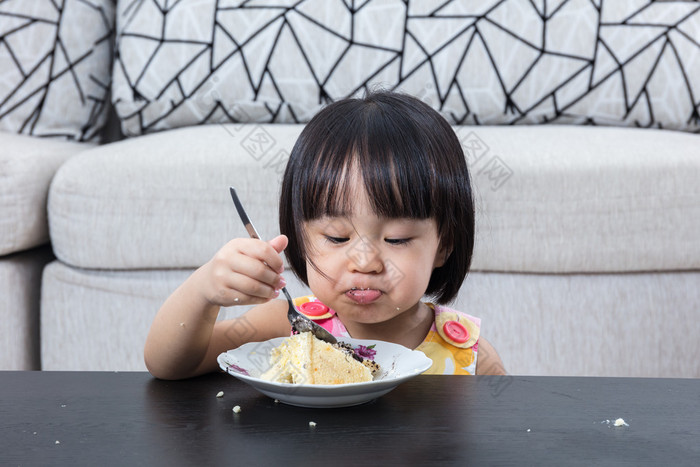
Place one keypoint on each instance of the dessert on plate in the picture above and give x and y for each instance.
(305, 359)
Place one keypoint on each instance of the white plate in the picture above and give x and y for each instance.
(397, 364)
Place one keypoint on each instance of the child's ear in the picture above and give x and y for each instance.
(441, 257)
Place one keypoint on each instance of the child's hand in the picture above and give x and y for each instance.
(244, 271)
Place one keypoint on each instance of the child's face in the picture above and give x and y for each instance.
(376, 268)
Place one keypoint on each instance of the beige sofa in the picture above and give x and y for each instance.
(54, 77)
(586, 257)
(584, 156)
(27, 165)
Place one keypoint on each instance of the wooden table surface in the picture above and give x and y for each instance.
(103, 418)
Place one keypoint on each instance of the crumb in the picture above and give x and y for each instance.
(312, 424)
(220, 394)
(63, 405)
(58, 442)
(528, 430)
(617, 423)
(237, 409)
(277, 401)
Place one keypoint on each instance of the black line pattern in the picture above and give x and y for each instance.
(55, 67)
(609, 62)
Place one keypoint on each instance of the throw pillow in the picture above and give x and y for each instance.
(55, 67)
(630, 63)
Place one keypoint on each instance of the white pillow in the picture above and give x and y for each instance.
(629, 63)
(55, 67)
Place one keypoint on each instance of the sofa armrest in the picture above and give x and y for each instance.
(27, 166)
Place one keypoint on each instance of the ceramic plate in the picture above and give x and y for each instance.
(397, 364)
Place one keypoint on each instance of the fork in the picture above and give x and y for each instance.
(299, 322)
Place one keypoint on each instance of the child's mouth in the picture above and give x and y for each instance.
(363, 296)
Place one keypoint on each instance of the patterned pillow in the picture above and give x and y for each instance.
(55, 66)
(629, 63)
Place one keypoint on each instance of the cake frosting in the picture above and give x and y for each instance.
(305, 359)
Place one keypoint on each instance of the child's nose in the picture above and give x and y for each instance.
(364, 257)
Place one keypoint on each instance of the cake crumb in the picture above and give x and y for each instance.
(616, 423)
(220, 394)
(237, 409)
(312, 424)
(528, 430)
(58, 442)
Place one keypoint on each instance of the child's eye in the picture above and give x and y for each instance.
(336, 240)
(397, 241)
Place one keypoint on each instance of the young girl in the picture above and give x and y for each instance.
(376, 212)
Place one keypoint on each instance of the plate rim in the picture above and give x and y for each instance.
(324, 388)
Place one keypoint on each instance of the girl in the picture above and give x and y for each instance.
(376, 212)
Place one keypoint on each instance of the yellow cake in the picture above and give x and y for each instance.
(305, 359)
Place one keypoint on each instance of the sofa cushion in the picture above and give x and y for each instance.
(55, 65)
(27, 165)
(628, 63)
(623, 325)
(162, 200)
(122, 305)
(549, 198)
(634, 325)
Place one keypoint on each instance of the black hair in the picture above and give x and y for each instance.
(412, 166)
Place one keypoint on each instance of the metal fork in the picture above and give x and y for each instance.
(299, 322)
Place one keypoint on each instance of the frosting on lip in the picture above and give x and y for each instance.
(363, 296)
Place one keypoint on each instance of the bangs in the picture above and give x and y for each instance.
(381, 156)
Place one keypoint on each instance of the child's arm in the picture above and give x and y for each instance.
(185, 338)
(488, 361)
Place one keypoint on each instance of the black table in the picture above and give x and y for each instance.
(101, 418)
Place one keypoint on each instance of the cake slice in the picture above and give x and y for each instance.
(305, 359)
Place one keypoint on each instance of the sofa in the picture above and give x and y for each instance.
(579, 122)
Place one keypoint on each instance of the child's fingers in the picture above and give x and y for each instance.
(257, 269)
(252, 248)
(250, 290)
(245, 271)
(227, 288)
(268, 252)
(279, 243)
